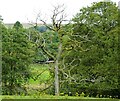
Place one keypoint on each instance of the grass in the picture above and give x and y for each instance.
(39, 79)
(39, 83)
(37, 69)
(56, 97)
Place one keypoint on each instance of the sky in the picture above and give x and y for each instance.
(26, 11)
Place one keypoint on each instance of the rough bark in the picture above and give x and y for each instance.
(57, 70)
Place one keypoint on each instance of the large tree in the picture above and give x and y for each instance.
(17, 54)
(92, 52)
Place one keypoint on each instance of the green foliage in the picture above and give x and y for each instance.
(17, 54)
(89, 64)
(17, 25)
(45, 42)
(82, 94)
(91, 56)
(48, 97)
(47, 46)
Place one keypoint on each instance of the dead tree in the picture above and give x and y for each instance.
(57, 18)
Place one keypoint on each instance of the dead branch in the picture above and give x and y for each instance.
(57, 18)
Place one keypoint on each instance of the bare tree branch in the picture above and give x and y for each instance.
(57, 18)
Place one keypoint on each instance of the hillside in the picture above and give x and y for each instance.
(25, 25)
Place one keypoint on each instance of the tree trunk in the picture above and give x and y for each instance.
(57, 70)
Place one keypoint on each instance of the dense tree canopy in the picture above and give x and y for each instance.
(17, 54)
(92, 52)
